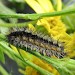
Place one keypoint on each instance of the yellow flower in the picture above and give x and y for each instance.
(70, 46)
(52, 28)
(30, 71)
(54, 25)
(40, 6)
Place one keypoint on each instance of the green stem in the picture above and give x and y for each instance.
(63, 66)
(38, 16)
(39, 69)
(3, 71)
(9, 25)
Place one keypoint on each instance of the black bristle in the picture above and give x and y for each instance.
(24, 39)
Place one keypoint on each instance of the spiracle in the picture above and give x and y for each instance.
(45, 45)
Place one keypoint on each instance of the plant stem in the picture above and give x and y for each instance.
(63, 66)
(3, 71)
(9, 25)
(25, 61)
(38, 16)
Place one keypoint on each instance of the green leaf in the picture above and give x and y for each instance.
(2, 59)
(2, 37)
(41, 29)
(69, 19)
(3, 30)
(6, 10)
(24, 60)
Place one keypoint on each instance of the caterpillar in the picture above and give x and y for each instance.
(45, 45)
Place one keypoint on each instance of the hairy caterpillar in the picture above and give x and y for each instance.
(23, 38)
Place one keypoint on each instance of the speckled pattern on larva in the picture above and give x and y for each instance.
(23, 38)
